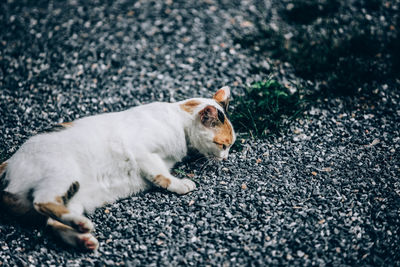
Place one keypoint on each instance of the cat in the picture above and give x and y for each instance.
(81, 165)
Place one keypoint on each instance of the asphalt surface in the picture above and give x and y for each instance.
(326, 192)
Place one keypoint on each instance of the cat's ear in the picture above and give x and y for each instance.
(222, 96)
(208, 116)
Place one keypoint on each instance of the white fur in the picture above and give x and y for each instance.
(110, 155)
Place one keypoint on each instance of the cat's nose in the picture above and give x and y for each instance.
(225, 158)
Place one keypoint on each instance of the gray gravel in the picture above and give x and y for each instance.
(327, 192)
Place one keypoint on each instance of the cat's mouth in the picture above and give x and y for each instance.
(218, 159)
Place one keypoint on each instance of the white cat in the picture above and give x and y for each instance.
(81, 165)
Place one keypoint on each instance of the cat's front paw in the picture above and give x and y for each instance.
(182, 187)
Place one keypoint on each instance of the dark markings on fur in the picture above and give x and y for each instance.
(10, 201)
(221, 116)
(56, 128)
(30, 194)
(3, 181)
(72, 190)
(209, 116)
(52, 129)
(14, 204)
(222, 104)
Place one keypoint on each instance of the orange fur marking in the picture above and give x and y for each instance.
(52, 210)
(59, 200)
(224, 135)
(58, 226)
(162, 181)
(219, 96)
(66, 124)
(190, 105)
(3, 167)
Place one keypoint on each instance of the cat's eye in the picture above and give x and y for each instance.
(222, 146)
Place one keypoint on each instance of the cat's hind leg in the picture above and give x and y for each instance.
(55, 206)
(72, 237)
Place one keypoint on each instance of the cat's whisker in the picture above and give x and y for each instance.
(199, 159)
(210, 160)
(204, 166)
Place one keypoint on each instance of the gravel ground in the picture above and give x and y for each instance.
(327, 192)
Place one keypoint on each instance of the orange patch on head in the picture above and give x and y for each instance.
(162, 181)
(190, 105)
(224, 135)
(53, 210)
(3, 167)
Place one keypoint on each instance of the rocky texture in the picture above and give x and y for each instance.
(326, 192)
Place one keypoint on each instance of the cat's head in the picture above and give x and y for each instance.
(211, 133)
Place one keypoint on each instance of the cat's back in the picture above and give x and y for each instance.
(60, 149)
(93, 138)
(65, 137)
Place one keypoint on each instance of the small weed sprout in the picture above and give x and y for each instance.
(180, 172)
(265, 108)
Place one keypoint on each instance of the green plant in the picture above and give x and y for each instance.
(264, 108)
(180, 172)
